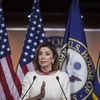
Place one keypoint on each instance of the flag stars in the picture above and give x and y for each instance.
(2, 24)
(26, 53)
(29, 41)
(37, 10)
(38, 31)
(41, 41)
(36, 37)
(33, 28)
(33, 49)
(32, 56)
(39, 25)
(6, 34)
(40, 19)
(8, 49)
(35, 44)
(24, 59)
(3, 46)
(0, 10)
(34, 22)
(28, 47)
(34, 1)
(1, 31)
(5, 40)
(33, 7)
(36, 16)
(31, 34)
(1, 53)
(29, 16)
(43, 35)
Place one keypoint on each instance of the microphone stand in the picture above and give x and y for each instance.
(61, 87)
(34, 77)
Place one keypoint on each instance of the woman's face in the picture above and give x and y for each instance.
(45, 57)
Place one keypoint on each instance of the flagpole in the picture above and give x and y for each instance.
(78, 2)
(0, 2)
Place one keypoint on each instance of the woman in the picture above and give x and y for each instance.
(48, 77)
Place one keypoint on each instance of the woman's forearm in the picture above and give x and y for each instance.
(38, 97)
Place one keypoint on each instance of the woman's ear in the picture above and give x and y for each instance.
(53, 60)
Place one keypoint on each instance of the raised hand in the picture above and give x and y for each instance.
(42, 92)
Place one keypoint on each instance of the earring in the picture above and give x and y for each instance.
(52, 61)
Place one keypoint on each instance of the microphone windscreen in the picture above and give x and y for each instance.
(34, 77)
(57, 77)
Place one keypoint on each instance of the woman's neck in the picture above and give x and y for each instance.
(46, 71)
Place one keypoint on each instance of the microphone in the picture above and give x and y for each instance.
(34, 77)
(57, 77)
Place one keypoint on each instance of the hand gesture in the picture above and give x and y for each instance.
(42, 92)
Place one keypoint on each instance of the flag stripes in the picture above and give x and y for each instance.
(9, 88)
(9, 82)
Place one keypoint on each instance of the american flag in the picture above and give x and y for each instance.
(34, 36)
(9, 82)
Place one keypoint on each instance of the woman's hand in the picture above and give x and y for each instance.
(42, 92)
(41, 95)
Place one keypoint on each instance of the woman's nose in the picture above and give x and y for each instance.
(42, 56)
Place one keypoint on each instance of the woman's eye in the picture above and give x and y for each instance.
(40, 53)
(47, 54)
